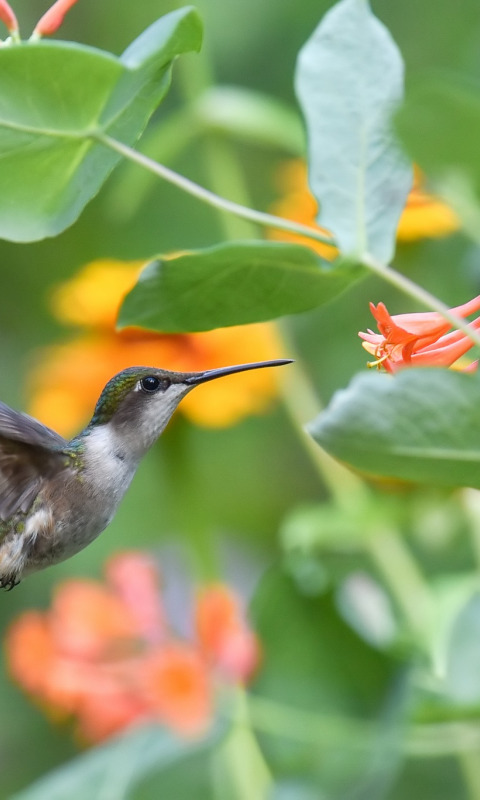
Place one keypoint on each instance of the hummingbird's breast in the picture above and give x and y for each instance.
(79, 502)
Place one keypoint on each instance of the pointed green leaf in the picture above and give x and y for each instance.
(53, 95)
(349, 80)
(418, 425)
(232, 284)
(114, 769)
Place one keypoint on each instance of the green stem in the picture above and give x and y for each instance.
(302, 406)
(470, 766)
(270, 220)
(226, 178)
(427, 740)
(471, 504)
(403, 577)
(242, 758)
(212, 199)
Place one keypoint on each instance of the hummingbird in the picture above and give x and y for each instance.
(56, 495)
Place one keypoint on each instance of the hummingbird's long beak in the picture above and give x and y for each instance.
(211, 374)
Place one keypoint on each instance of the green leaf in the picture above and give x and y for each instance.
(53, 96)
(349, 80)
(114, 769)
(321, 694)
(232, 284)
(463, 660)
(419, 425)
(251, 117)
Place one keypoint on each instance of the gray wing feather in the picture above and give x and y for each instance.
(29, 453)
(22, 428)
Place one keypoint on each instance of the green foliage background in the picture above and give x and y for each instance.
(254, 45)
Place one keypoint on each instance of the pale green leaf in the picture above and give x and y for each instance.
(419, 425)
(349, 80)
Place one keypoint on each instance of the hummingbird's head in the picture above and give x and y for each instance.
(139, 401)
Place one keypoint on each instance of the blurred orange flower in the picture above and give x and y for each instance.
(424, 215)
(68, 379)
(223, 634)
(104, 655)
(419, 339)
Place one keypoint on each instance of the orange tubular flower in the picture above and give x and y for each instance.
(53, 18)
(69, 378)
(420, 339)
(105, 656)
(424, 215)
(8, 17)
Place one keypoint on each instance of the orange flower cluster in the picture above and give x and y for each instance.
(105, 656)
(421, 340)
(68, 379)
(424, 215)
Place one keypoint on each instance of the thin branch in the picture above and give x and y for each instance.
(260, 217)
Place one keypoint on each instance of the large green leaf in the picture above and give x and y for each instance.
(53, 95)
(349, 80)
(419, 425)
(232, 284)
(113, 770)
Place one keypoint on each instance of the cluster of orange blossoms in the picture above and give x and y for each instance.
(68, 378)
(416, 340)
(104, 656)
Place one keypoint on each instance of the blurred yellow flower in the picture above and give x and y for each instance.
(68, 378)
(424, 215)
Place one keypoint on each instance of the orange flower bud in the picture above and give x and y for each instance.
(53, 18)
(8, 17)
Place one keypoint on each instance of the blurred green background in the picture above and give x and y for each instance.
(250, 44)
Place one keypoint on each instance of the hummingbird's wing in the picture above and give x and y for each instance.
(29, 453)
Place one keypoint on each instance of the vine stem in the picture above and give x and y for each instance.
(260, 217)
(386, 272)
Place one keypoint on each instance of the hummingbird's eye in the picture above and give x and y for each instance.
(153, 384)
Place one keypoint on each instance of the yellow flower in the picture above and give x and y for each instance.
(298, 204)
(68, 378)
(424, 215)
